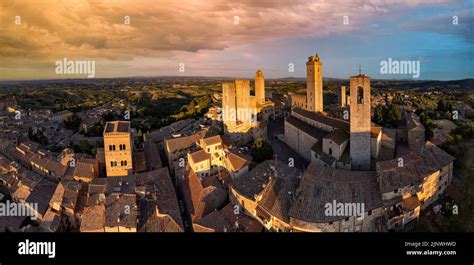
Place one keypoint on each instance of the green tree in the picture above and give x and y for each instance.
(378, 114)
(262, 150)
(393, 115)
(72, 122)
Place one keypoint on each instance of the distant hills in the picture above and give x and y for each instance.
(465, 85)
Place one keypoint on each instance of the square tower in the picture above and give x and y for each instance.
(229, 106)
(118, 147)
(342, 97)
(360, 122)
(244, 106)
(259, 88)
(314, 84)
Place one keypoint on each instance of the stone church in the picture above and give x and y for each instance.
(347, 144)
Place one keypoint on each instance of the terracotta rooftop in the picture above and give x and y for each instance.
(42, 194)
(216, 222)
(417, 166)
(93, 218)
(117, 126)
(338, 136)
(278, 197)
(85, 168)
(308, 129)
(333, 122)
(158, 182)
(121, 210)
(411, 203)
(199, 156)
(235, 160)
(254, 182)
(322, 184)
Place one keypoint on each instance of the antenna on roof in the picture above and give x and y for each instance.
(360, 70)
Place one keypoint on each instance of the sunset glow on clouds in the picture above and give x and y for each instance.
(203, 35)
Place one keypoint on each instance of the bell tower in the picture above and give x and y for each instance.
(360, 124)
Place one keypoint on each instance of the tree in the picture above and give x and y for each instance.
(72, 122)
(444, 106)
(378, 114)
(393, 115)
(262, 150)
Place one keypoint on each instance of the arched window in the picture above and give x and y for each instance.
(360, 95)
(330, 151)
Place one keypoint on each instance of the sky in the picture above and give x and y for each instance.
(235, 38)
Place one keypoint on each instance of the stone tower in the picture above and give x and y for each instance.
(229, 105)
(259, 88)
(360, 122)
(314, 84)
(244, 107)
(118, 148)
(342, 97)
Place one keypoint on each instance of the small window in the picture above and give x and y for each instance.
(369, 213)
(360, 95)
(395, 190)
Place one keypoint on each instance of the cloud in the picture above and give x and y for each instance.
(52, 29)
(443, 24)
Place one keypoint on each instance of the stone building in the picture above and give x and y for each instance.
(360, 125)
(342, 97)
(412, 182)
(322, 185)
(352, 162)
(336, 142)
(314, 84)
(244, 116)
(118, 146)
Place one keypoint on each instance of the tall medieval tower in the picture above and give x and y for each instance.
(259, 88)
(360, 122)
(342, 97)
(314, 84)
(118, 148)
(229, 106)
